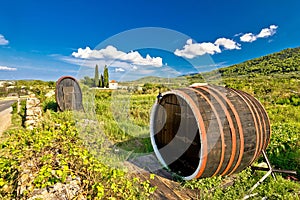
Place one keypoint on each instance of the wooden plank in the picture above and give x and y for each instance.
(69, 99)
(162, 191)
(166, 187)
(182, 193)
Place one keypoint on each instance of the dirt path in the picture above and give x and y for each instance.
(5, 119)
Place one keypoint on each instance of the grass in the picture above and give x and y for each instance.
(283, 149)
(54, 152)
(115, 126)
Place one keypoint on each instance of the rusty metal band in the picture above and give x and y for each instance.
(220, 127)
(254, 117)
(238, 121)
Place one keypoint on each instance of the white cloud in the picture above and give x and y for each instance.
(5, 68)
(191, 50)
(264, 33)
(248, 37)
(237, 34)
(91, 63)
(227, 43)
(134, 68)
(119, 69)
(267, 32)
(112, 54)
(3, 41)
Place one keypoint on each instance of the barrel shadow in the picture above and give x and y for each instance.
(143, 158)
(151, 164)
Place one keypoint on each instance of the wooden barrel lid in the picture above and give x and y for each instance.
(68, 94)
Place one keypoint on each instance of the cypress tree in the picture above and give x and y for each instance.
(105, 77)
(101, 81)
(96, 78)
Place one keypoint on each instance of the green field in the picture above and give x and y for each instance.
(70, 145)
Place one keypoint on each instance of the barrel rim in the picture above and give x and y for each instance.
(202, 147)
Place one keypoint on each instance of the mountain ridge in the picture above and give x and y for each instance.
(284, 61)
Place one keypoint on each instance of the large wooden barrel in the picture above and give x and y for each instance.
(208, 130)
(68, 94)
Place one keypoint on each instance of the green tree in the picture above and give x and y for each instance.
(96, 78)
(101, 84)
(51, 84)
(105, 77)
(88, 81)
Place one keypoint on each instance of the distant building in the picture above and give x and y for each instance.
(122, 87)
(139, 88)
(11, 82)
(11, 87)
(6, 83)
(113, 85)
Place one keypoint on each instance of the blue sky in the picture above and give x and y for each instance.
(48, 39)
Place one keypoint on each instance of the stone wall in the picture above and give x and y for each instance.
(33, 112)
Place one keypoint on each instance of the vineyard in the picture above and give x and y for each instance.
(71, 147)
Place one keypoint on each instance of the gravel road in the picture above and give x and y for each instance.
(5, 114)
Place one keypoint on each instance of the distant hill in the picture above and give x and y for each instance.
(157, 80)
(285, 61)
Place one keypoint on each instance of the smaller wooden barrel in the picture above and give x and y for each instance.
(68, 94)
(208, 130)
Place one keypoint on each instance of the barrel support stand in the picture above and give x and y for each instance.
(270, 171)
